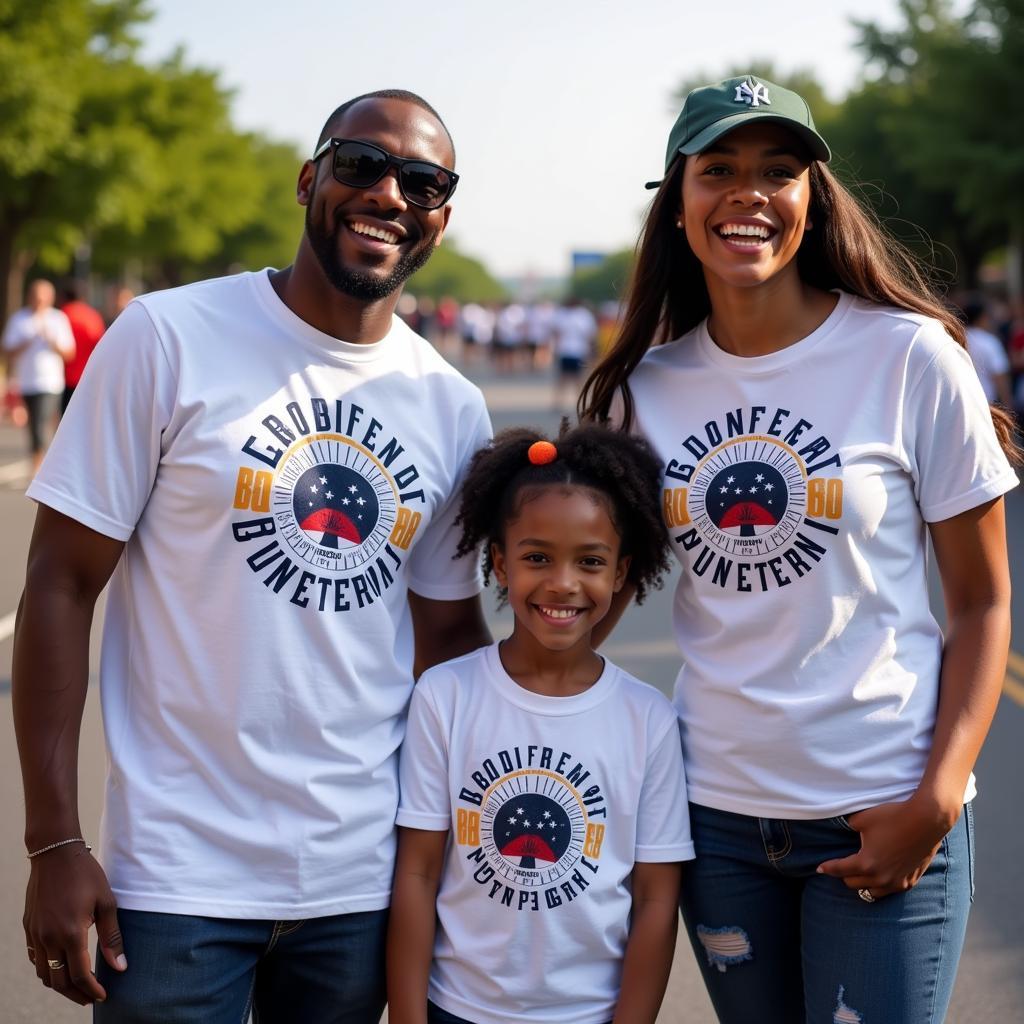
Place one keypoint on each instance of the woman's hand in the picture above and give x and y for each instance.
(897, 843)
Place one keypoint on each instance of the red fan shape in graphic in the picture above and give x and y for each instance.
(529, 846)
(748, 513)
(331, 521)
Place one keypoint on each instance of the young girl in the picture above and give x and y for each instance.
(543, 809)
(816, 418)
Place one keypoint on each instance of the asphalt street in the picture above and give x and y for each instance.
(990, 987)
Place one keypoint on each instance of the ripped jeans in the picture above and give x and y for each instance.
(780, 944)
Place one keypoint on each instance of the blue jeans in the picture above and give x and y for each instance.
(780, 944)
(206, 970)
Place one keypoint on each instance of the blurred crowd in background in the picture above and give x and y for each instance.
(47, 343)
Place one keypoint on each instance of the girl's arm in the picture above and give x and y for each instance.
(899, 840)
(652, 942)
(411, 923)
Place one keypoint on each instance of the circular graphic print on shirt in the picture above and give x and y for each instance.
(335, 506)
(532, 827)
(748, 496)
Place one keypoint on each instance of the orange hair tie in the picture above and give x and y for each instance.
(540, 453)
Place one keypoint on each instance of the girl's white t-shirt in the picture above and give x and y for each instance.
(550, 801)
(797, 491)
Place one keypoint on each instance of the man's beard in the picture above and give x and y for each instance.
(362, 284)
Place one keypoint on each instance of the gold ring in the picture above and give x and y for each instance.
(55, 965)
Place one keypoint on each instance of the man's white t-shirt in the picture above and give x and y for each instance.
(989, 358)
(798, 486)
(550, 801)
(575, 330)
(279, 491)
(39, 369)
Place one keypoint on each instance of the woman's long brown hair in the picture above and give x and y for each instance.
(847, 249)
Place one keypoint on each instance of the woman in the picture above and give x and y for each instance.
(815, 413)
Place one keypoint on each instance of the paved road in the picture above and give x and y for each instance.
(991, 984)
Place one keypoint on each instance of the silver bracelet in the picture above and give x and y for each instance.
(63, 842)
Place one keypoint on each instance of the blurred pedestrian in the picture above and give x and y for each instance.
(574, 330)
(988, 354)
(87, 327)
(817, 419)
(38, 340)
(266, 463)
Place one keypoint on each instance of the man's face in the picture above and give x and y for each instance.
(345, 225)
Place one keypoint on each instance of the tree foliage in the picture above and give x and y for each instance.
(452, 273)
(607, 281)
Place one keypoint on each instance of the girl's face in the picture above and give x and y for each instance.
(744, 205)
(560, 562)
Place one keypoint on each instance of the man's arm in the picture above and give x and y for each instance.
(68, 566)
(446, 629)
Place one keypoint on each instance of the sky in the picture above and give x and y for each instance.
(560, 109)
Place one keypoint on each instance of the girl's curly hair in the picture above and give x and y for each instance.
(621, 469)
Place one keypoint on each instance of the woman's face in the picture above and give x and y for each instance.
(744, 205)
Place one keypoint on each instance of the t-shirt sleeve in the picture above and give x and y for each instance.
(663, 819)
(955, 458)
(65, 337)
(423, 771)
(103, 460)
(10, 336)
(434, 571)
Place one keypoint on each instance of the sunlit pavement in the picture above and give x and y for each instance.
(990, 987)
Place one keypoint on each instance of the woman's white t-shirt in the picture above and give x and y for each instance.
(797, 489)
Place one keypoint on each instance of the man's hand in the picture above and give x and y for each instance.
(67, 893)
(897, 843)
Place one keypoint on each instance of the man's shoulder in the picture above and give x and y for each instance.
(214, 289)
(425, 361)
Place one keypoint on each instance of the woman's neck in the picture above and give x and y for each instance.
(767, 318)
(550, 673)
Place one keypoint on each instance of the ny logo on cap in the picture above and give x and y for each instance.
(751, 92)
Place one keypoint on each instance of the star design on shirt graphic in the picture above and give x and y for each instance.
(730, 480)
(759, 478)
(512, 821)
(353, 489)
(753, 489)
(547, 814)
(312, 487)
(345, 501)
(360, 501)
(723, 490)
(526, 824)
(323, 479)
(769, 487)
(739, 490)
(328, 495)
(519, 810)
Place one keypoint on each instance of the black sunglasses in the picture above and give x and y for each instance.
(362, 164)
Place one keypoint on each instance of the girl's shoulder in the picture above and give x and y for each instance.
(636, 700)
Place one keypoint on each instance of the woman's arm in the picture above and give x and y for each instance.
(411, 924)
(899, 840)
(652, 942)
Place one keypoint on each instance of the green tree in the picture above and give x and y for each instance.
(953, 123)
(453, 273)
(605, 282)
(66, 154)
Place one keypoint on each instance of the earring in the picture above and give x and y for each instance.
(679, 222)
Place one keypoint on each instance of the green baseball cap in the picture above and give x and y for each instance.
(713, 110)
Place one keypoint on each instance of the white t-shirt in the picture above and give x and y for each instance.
(38, 369)
(797, 489)
(279, 491)
(550, 802)
(989, 358)
(575, 329)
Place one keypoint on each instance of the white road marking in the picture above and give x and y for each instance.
(20, 470)
(7, 626)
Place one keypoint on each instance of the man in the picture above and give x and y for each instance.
(37, 341)
(271, 464)
(87, 327)
(988, 354)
